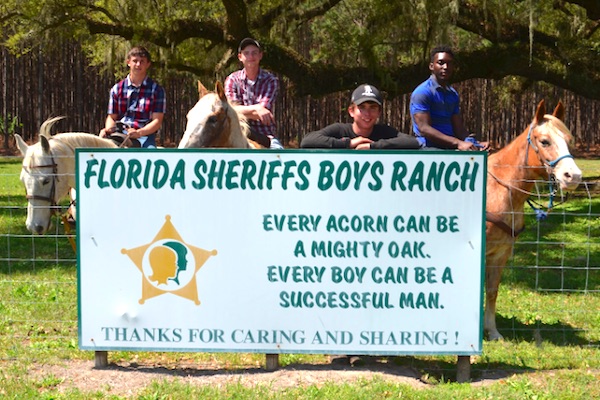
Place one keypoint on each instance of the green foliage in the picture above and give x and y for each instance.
(12, 124)
(324, 46)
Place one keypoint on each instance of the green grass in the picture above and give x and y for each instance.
(547, 310)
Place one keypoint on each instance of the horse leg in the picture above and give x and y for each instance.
(493, 274)
(492, 281)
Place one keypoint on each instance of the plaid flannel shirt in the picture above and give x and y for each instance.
(239, 89)
(133, 105)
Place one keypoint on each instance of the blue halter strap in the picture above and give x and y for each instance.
(540, 214)
(552, 163)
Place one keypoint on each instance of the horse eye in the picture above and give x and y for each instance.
(212, 119)
(46, 181)
(545, 143)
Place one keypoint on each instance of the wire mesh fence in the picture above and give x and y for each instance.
(549, 292)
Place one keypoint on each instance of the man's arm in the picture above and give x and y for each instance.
(257, 112)
(400, 141)
(459, 127)
(262, 110)
(151, 127)
(423, 121)
(111, 122)
(230, 92)
(330, 137)
(463, 133)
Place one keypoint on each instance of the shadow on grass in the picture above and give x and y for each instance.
(402, 369)
(559, 334)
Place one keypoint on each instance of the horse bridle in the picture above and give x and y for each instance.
(552, 186)
(50, 199)
(550, 164)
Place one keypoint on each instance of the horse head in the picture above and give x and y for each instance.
(44, 176)
(48, 171)
(214, 122)
(548, 140)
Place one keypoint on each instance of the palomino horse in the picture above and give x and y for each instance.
(540, 152)
(214, 122)
(49, 171)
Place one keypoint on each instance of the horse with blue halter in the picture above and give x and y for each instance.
(541, 152)
(48, 171)
(214, 122)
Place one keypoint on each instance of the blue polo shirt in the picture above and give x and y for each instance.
(441, 104)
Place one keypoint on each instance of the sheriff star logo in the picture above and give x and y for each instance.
(168, 264)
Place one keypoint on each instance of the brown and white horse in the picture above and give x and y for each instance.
(48, 171)
(214, 122)
(540, 152)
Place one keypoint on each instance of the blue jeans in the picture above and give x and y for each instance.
(275, 143)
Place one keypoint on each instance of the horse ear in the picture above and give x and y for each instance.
(202, 91)
(541, 111)
(559, 111)
(21, 145)
(45, 144)
(220, 91)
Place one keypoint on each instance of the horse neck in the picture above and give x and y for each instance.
(239, 141)
(64, 156)
(237, 137)
(517, 165)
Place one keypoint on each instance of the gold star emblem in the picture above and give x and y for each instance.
(168, 264)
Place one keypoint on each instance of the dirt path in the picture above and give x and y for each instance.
(130, 379)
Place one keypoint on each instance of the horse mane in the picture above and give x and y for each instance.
(549, 124)
(72, 139)
(243, 121)
(558, 125)
(81, 139)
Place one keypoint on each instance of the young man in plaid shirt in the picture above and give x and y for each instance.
(137, 101)
(255, 90)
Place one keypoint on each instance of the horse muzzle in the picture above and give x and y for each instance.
(39, 228)
(568, 175)
(39, 218)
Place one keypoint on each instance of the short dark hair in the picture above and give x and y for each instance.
(139, 51)
(440, 49)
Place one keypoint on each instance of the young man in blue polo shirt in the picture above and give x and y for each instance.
(435, 108)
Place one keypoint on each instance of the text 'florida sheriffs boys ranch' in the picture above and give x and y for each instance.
(268, 175)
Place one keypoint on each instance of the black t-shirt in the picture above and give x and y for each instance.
(338, 136)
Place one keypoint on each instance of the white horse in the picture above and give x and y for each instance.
(48, 171)
(214, 122)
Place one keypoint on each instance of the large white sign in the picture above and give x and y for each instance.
(349, 252)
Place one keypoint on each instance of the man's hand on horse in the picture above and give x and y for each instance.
(104, 133)
(472, 146)
(264, 115)
(484, 146)
(134, 133)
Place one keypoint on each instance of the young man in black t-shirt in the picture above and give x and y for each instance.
(364, 132)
